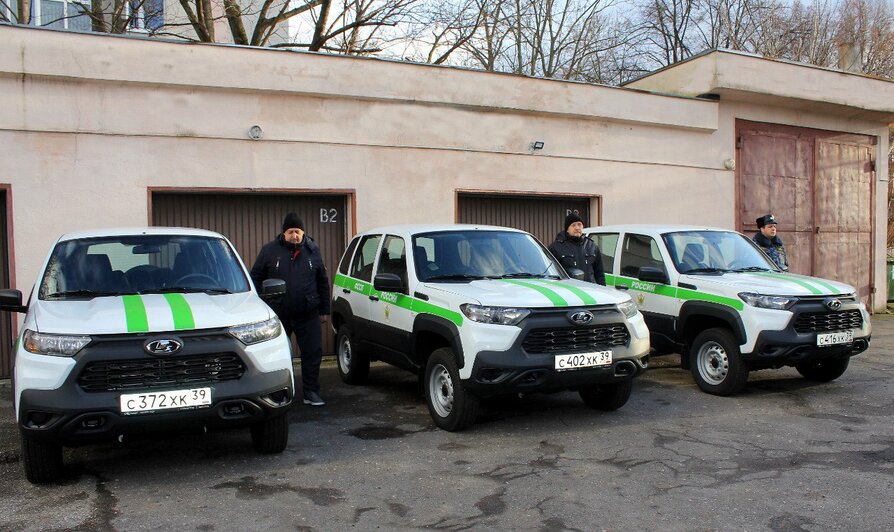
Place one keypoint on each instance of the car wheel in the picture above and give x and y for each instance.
(450, 405)
(823, 370)
(607, 397)
(42, 460)
(353, 367)
(271, 435)
(716, 362)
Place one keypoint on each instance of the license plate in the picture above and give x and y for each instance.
(583, 360)
(843, 337)
(133, 403)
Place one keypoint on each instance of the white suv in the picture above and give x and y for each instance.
(135, 330)
(478, 311)
(714, 296)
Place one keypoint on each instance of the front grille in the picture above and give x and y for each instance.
(576, 339)
(828, 321)
(149, 373)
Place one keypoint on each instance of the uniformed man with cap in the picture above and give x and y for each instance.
(770, 242)
(295, 258)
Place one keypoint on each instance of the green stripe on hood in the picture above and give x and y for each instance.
(183, 318)
(585, 298)
(135, 313)
(555, 298)
(790, 278)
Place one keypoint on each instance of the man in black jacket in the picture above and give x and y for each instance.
(574, 250)
(295, 258)
(770, 242)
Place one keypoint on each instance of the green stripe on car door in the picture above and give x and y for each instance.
(183, 318)
(555, 298)
(135, 314)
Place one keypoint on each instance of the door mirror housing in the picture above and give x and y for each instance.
(651, 274)
(272, 288)
(388, 282)
(575, 273)
(11, 300)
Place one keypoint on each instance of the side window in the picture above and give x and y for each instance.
(608, 246)
(393, 258)
(639, 251)
(346, 260)
(362, 265)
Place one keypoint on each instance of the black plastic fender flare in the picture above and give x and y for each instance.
(724, 313)
(443, 328)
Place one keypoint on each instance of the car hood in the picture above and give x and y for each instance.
(533, 293)
(148, 313)
(769, 283)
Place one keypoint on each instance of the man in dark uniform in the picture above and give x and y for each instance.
(770, 242)
(574, 250)
(295, 258)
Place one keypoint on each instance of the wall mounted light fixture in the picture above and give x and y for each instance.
(537, 145)
(255, 132)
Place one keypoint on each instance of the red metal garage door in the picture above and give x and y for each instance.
(250, 220)
(819, 185)
(540, 215)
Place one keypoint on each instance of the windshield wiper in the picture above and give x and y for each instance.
(527, 275)
(186, 289)
(751, 269)
(706, 270)
(90, 294)
(455, 277)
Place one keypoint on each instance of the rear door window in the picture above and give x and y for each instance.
(608, 245)
(365, 257)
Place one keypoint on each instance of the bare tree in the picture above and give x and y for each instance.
(669, 26)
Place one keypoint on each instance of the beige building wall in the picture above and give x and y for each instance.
(85, 133)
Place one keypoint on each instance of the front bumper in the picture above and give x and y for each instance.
(796, 344)
(84, 410)
(516, 370)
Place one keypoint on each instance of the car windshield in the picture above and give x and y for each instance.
(469, 255)
(142, 264)
(707, 252)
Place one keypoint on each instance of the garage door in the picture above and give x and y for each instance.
(819, 185)
(250, 220)
(540, 215)
(5, 317)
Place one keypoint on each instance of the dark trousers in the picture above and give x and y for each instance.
(309, 335)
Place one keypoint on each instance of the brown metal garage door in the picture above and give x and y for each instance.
(542, 216)
(6, 337)
(819, 185)
(250, 220)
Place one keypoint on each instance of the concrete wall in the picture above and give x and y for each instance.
(88, 123)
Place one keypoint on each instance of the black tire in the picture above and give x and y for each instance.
(823, 370)
(42, 460)
(271, 435)
(607, 397)
(451, 407)
(716, 362)
(353, 366)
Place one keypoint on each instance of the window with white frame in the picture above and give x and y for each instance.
(9, 11)
(63, 14)
(149, 14)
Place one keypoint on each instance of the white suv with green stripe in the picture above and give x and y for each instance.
(714, 296)
(135, 330)
(478, 311)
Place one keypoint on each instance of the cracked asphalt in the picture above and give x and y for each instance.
(785, 455)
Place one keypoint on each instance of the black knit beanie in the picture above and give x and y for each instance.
(571, 218)
(292, 221)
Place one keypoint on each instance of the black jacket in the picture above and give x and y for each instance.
(774, 249)
(583, 254)
(307, 283)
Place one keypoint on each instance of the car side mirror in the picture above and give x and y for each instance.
(272, 288)
(651, 274)
(574, 273)
(11, 300)
(388, 282)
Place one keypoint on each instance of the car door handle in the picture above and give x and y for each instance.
(622, 287)
(345, 290)
(373, 298)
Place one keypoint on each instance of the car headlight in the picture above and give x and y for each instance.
(58, 345)
(255, 333)
(628, 308)
(771, 302)
(499, 315)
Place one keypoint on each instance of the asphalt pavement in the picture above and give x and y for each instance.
(784, 455)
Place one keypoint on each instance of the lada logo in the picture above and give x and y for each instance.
(581, 318)
(833, 304)
(163, 346)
